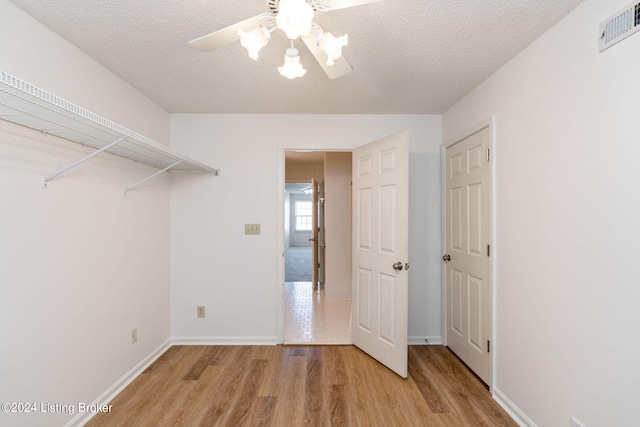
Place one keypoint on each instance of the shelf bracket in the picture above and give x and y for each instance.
(95, 153)
(152, 176)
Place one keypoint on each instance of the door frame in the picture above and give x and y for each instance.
(280, 302)
(491, 124)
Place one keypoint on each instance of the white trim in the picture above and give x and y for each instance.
(268, 340)
(425, 340)
(486, 123)
(280, 249)
(494, 251)
(511, 409)
(106, 397)
(490, 124)
(443, 243)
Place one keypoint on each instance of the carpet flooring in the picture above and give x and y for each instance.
(298, 264)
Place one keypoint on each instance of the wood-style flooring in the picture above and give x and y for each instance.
(302, 386)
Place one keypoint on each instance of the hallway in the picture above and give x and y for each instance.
(310, 318)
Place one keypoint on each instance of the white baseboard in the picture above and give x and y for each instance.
(106, 397)
(225, 340)
(425, 340)
(511, 409)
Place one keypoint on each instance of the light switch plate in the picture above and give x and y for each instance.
(252, 229)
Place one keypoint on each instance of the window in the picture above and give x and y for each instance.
(303, 215)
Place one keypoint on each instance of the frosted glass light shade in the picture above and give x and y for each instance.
(292, 67)
(294, 18)
(254, 40)
(332, 46)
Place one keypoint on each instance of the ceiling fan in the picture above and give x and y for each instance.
(295, 19)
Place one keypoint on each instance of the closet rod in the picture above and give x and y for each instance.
(95, 153)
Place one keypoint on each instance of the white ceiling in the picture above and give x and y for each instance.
(408, 56)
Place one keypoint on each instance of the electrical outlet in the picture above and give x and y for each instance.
(252, 229)
(576, 423)
(134, 336)
(201, 312)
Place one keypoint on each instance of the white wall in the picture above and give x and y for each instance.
(35, 54)
(238, 277)
(80, 264)
(300, 170)
(337, 224)
(567, 222)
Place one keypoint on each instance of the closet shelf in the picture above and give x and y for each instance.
(27, 105)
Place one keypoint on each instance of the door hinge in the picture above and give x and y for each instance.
(488, 154)
(488, 346)
(488, 250)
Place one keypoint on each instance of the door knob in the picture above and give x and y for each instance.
(447, 257)
(313, 239)
(397, 266)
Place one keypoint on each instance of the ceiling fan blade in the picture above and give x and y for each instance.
(229, 34)
(340, 66)
(328, 5)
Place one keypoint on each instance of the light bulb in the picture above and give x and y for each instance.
(294, 18)
(332, 46)
(292, 67)
(254, 40)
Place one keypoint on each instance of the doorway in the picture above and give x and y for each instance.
(377, 202)
(298, 234)
(317, 286)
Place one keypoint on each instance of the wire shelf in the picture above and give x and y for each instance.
(27, 105)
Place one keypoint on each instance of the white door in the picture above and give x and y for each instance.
(468, 253)
(321, 236)
(314, 234)
(380, 251)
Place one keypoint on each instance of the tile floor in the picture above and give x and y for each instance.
(312, 319)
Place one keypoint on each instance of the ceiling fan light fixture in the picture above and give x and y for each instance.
(254, 40)
(332, 46)
(294, 18)
(292, 67)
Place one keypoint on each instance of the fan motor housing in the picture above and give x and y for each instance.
(273, 6)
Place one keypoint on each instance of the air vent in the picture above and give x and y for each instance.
(620, 26)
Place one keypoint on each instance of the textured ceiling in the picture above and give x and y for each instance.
(408, 56)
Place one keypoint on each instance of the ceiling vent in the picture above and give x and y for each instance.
(620, 26)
